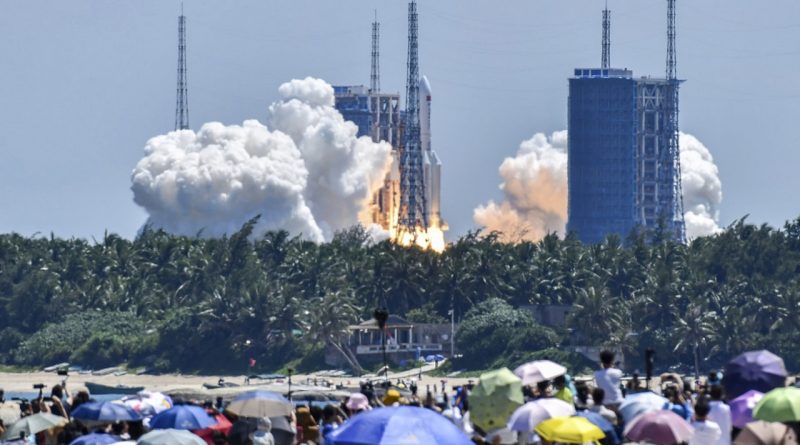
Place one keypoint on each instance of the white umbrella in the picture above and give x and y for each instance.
(260, 404)
(528, 416)
(33, 424)
(9, 412)
(539, 371)
(170, 437)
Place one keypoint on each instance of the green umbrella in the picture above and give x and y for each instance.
(33, 424)
(779, 405)
(494, 399)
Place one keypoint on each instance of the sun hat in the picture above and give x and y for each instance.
(357, 402)
(392, 396)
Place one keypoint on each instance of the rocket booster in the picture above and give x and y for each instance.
(431, 166)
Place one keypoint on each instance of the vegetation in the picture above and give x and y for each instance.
(171, 302)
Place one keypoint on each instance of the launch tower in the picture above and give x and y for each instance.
(624, 160)
(182, 99)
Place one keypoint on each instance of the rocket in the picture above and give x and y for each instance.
(431, 165)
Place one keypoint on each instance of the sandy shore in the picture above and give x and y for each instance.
(24, 381)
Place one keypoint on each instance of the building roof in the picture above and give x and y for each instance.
(394, 321)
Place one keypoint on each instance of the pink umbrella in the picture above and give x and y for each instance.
(742, 408)
(659, 427)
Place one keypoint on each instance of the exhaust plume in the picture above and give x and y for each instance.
(535, 190)
(305, 171)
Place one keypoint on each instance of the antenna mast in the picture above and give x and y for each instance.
(375, 73)
(606, 58)
(182, 100)
(412, 185)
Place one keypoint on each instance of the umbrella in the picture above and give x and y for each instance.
(105, 412)
(531, 414)
(539, 371)
(639, 403)
(758, 370)
(33, 424)
(766, 433)
(494, 399)
(170, 437)
(569, 430)
(148, 403)
(9, 413)
(95, 439)
(182, 417)
(742, 408)
(396, 425)
(779, 405)
(260, 404)
(659, 427)
(223, 425)
(604, 425)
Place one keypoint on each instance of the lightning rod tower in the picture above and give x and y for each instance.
(679, 225)
(182, 99)
(412, 186)
(606, 58)
(375, 73)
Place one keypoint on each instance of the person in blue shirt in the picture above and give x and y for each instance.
(677, 404)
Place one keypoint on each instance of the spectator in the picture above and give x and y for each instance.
(263, 433)
(720, 414)
(598, 395)
(329, 423)
(609, 379)
(705, 431)
(562, 392)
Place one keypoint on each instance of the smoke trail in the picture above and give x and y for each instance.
(702, 188)
(307, 173)
(535, 190)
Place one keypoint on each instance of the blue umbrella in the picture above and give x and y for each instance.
(95, 439)
(642, 402)
(405, 425)
(762, 371)
(601, 422)
(182, 417)
(105, 412)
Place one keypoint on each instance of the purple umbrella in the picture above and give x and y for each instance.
(757, 370)
(659, 427)
(742, 408)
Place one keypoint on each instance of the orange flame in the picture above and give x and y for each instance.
(432, 238)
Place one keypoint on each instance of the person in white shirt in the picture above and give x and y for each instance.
(706, 431)
(720, 414)
(609, 379)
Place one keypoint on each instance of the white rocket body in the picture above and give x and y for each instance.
(431, 166)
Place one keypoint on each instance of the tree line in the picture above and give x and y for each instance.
(186, 303)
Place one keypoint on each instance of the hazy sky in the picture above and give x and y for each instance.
(84, 84)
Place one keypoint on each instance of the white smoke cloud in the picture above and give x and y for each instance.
(307, 173)
(702, 188)
(535, 190)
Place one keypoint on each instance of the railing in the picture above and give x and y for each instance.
(376, 349)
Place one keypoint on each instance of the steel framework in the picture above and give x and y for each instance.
(673, 128)
(606, 57)
(412, 185)
(182, 99)
(375, 72)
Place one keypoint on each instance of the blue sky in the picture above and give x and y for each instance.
(84, 84)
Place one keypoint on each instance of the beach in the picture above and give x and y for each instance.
(192, 384)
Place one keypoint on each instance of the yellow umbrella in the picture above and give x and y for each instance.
(569, 430)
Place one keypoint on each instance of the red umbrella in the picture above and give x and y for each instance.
(223, 425)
